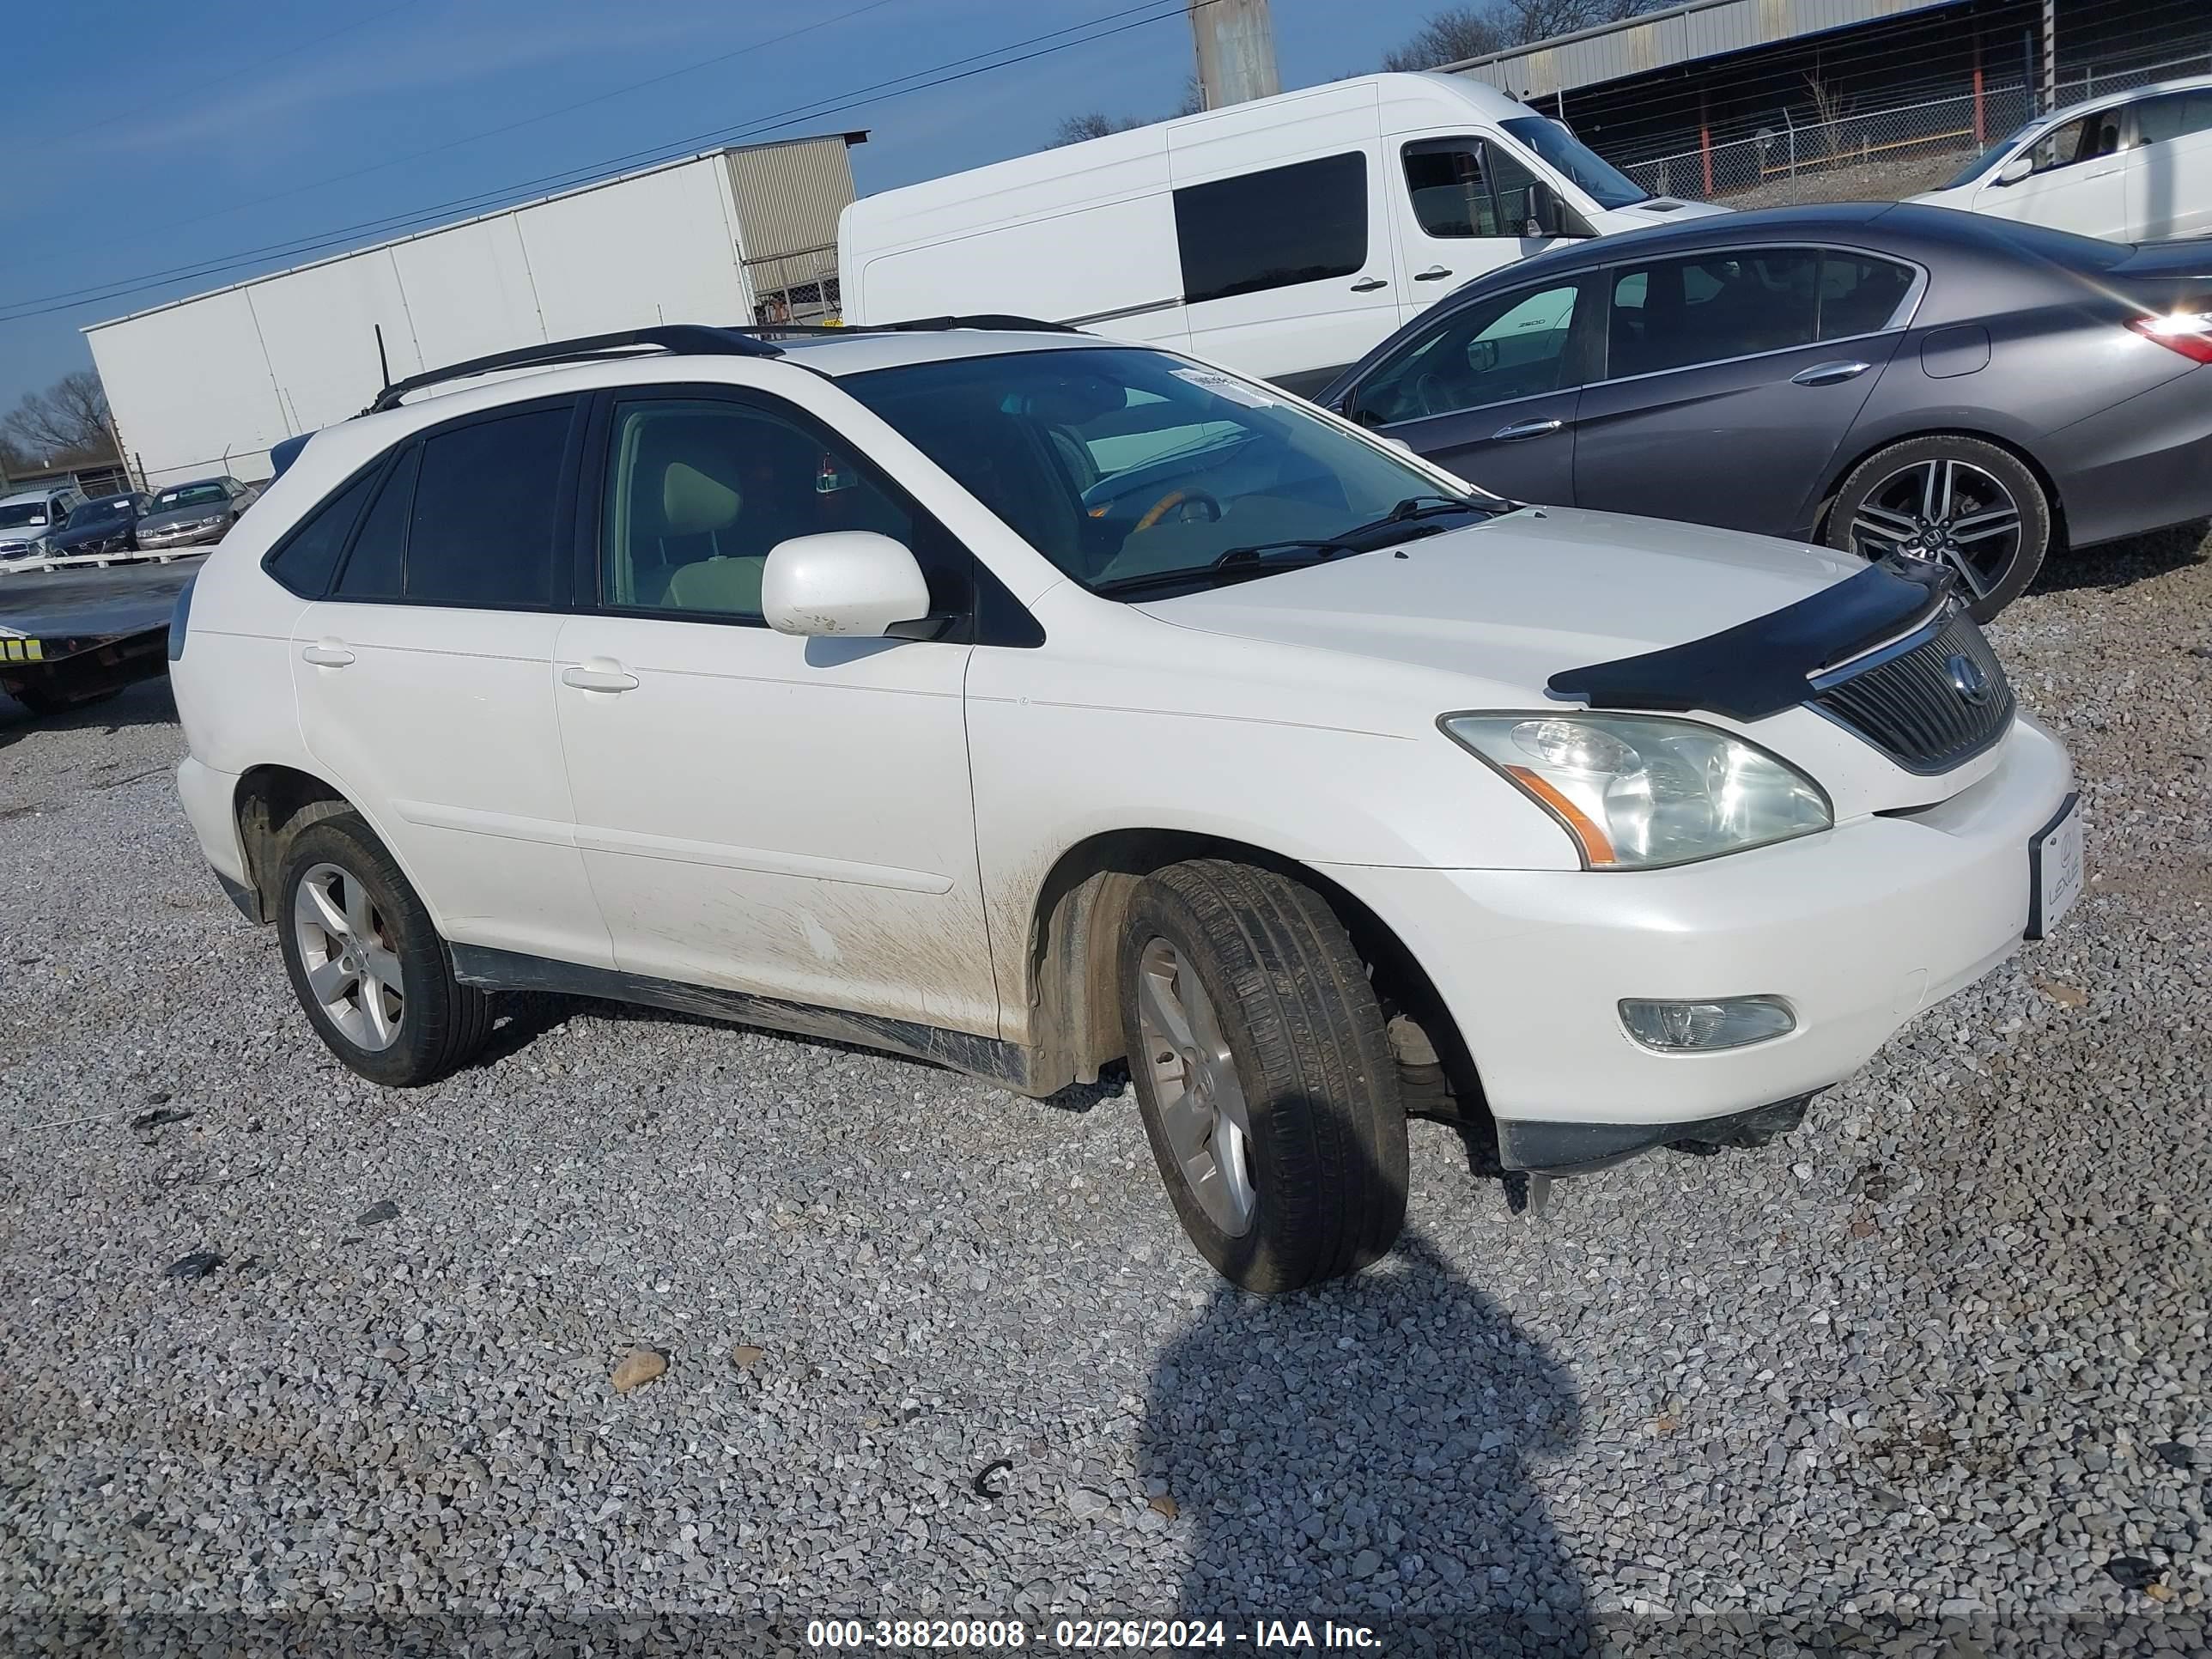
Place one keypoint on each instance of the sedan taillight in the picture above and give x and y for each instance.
(2188, 332)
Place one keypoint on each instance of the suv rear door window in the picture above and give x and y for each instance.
(1671, 314)
(1302, 223)
(481, 530)
(372, 569)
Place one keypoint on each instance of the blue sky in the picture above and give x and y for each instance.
(157, 135)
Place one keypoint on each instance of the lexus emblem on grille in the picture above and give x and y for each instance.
(1970, 679)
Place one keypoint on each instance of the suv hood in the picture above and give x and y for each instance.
(1524, 597)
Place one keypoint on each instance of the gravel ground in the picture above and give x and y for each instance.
(1941, 1356)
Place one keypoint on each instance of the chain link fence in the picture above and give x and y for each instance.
(1874, 154)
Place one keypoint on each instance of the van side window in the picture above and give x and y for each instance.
(1302, 223)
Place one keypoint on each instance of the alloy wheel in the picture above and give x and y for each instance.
(346, 948)
(1947, 511)
(1196, 1088)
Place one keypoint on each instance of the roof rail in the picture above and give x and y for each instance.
(690, 337)
(997, 320)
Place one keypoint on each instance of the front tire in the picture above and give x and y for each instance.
(1263, 1073)
(366, 962)
(1965, 504)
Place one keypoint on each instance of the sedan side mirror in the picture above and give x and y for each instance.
(2015, 170)
(846, 584)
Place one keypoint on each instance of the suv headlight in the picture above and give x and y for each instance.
(1637, 791)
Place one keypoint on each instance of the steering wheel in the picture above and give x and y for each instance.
(1434, 397)
(1184, 498)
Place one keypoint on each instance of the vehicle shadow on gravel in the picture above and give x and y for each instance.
(147, 703)
(1360, 1453)
(2122, 564)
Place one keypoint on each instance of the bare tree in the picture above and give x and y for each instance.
(66, 422)
(1451, 36)
(1096, 123)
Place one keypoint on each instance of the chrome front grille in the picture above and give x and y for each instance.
(1929, 707)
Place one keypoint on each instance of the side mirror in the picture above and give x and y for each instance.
(845, 584)
(2015, 170)
(1543, 211)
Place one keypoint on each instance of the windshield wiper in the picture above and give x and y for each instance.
(1401, 523)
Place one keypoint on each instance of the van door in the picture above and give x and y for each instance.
(2169, 171)
(1463, 204)
(1286, 260)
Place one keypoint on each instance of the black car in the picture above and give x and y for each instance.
(1891, 379)
(108, 524)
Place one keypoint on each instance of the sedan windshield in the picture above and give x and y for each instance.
(1990, 157)
(98, 512)
(1607, 186)
(1139, 473)
(23, 515)
(198, 495)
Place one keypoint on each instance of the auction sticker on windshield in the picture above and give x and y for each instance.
(2054, 868)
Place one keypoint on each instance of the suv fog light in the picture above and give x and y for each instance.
(1724, 1022)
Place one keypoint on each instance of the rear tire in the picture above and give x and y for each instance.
(366, 962)
(1965, 504)
(1243, 998)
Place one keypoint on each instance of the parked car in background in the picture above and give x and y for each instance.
(1890, 380)
(1283, 236)
(29, 520)
(1172, 718)
(187, 514)
(2129, 166)
(107, 524)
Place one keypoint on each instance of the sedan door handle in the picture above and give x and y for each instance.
(1368, 285)
(1525, 429)
(1430, 274)
(1828, 374)
(598, 675)
(327, 654)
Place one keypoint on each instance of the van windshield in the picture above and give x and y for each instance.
(1141, 474)
(1606, 183)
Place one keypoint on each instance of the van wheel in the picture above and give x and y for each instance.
(367, 963)
(1965, 504)
(1264, 1074)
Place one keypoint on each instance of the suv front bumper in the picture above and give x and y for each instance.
(1859, 928)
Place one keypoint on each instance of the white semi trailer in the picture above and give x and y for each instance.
(206, 384)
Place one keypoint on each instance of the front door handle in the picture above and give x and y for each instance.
(1368, 285)
(1828, 374)
(327, 654)
(1525, 429)
(1430, 274)
(599, 674)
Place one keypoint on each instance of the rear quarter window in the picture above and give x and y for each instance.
(303, 560)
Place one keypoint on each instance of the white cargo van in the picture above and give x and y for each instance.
(1283, 236)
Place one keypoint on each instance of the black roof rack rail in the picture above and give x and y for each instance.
(692, 337)
(984, 319)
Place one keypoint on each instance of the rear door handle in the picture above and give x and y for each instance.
(1430, 274)
(327, 654)
(1525, 429)
(1368, 285)
(1828, 374)
(599, 674)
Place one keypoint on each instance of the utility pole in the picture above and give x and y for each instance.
(2049, 56)
(1235, 42)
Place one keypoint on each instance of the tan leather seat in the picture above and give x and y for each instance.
(693, 504)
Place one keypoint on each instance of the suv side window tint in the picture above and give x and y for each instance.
(698, 492)
(2176, 115)
(1859, 296)
(1516, 345)
(372, 569)
(303, 563)
(481, 530)
(1450, 196)
(1671, 314)
(1302, 223)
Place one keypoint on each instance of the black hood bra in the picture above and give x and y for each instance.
(1764, 665)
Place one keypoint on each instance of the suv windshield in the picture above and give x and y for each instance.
(22, 515)
(193, 495)
(1607, 184)
(1137, 473)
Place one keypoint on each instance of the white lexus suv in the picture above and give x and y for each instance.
(1024, 702)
